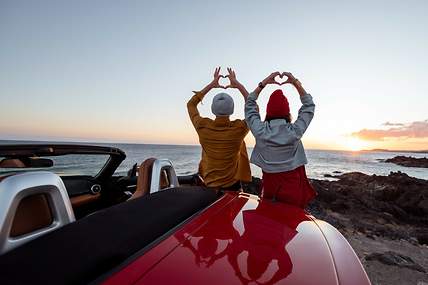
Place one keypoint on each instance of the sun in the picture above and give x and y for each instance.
(355, 144)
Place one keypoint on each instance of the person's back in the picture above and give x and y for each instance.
(224, 160)
(279, 151)
(278, 141)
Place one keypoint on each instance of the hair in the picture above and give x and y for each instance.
(288, 118)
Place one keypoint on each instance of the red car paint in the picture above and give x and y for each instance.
(242, 240)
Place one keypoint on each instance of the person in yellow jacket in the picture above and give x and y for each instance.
(224, 162)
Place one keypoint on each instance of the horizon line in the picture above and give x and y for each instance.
(172, 144)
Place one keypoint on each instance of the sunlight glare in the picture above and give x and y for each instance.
(355, 144)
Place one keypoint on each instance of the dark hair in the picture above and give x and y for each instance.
(288, 118)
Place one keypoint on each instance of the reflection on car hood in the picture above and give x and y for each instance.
(239, 240)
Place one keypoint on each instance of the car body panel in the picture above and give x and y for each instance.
(344, 256)
(242, 239)
(132, 272)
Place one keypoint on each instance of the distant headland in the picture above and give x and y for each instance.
(390, 150)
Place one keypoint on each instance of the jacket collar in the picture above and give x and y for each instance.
(278, 122)
(222, 121)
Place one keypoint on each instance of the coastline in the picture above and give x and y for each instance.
(409, 161)
(384, 218)
(185, 159)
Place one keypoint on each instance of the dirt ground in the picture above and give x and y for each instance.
(383, 274)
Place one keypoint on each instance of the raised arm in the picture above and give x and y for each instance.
(268, 80)
(296, 83)
(192, 108)
(252, 115)
(234, 83)
(306, 112)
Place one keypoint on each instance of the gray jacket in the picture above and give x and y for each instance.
(278, 145)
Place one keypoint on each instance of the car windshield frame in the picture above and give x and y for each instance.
(116, 155)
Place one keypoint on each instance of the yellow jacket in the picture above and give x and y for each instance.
(224, 154)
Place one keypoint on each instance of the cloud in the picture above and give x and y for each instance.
(389, 124)
(417, 129)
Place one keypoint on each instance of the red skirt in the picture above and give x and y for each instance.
(290, 187)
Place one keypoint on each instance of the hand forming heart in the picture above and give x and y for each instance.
(225, 83)
(216, 80)
(219, 83)
(279, 79)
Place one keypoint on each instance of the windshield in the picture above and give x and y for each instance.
(68, 165)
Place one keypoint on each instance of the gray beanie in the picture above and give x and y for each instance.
(222, 105)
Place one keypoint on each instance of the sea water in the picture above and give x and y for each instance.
(186, 158)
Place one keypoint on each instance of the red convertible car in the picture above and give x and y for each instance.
(152, 227)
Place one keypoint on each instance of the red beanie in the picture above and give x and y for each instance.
(277, 107)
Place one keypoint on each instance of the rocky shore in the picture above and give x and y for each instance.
(409, 161)
(385, 218)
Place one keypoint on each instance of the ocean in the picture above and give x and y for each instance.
(186, 158)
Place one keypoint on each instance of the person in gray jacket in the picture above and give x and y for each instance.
(279, 151)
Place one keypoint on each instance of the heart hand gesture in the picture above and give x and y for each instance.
(278, 78)
(290, 78)
(271, 78)
(234, 83)
(215, 83)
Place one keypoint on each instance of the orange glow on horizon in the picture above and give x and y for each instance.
(187, 136)
(355, 144)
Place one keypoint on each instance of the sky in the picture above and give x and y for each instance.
(122, 71)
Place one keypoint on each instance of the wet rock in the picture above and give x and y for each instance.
(409, 161)
(392, 206)
(254, 187)
(395, 259)
(423, 205)
(339, 206)
(422, 236)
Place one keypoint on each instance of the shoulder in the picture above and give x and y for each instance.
(204, 122)
(240, 123)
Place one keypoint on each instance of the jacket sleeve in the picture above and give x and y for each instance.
(306, 113)
(192, 109)
(243, 127)
(252, 115)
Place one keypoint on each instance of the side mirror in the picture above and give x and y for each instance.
(26, 162)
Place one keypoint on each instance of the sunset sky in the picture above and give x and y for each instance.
(122, 71)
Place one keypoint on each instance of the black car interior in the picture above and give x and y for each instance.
(99, 242)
